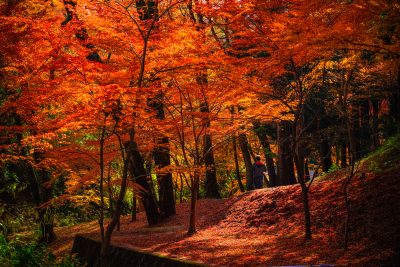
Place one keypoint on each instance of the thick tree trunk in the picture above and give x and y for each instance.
(208, 152)
(244, 146)
(211, 174)
(137, 170)
(286, 166)
(161, 155)
(325, 154)
(166, 190)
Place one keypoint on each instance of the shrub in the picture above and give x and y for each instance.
(18, 253)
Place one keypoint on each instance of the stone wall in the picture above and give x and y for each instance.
(88, 250)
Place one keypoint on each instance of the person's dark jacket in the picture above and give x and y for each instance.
(259, 169)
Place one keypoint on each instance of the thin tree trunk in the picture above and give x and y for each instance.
(343, 155)
(306, 171)
(181, 189)
(374, 124)
(134, 205)
(347, 182)
(193, 200)
(300, 178)
(263, 138)
(104, 256)
(211, 174)
(306, 209)
(237, 170)
(244, 146)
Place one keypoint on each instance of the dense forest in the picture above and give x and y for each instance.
(114, 111)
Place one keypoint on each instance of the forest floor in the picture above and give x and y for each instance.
(265, 227)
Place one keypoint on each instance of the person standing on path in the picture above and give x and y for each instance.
(259, 170)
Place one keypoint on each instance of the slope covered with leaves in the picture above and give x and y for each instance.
(265, 227)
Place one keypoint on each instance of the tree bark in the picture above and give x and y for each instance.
(263, 138)
(42, 195)
(286, 166)
(164, 178)
(343, 155)
(365, 140)
(237, 170)
(148, 10)
(134, 206)
(247, 161)
(211, 183)
(325, 154)
(211, 174)
(193, 200)
(104, 257)
(137, 170)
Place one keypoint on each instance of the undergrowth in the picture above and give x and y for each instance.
(385, 157)
(21, 253)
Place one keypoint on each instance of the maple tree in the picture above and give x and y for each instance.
(113, 93)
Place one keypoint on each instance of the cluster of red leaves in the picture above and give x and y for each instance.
(265, 227)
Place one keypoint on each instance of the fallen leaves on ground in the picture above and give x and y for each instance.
(265, 227)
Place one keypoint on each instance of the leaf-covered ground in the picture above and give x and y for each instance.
(265, 227)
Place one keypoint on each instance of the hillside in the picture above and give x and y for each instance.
(265, 227)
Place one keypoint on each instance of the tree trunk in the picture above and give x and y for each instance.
(161, 155)
(325, 154)
(166, 190)
(375, 124)
(263, 138)
(193, 200)
(134, 206)
(306, 171)
(211, 174)
(137, 170)
(343, 155)
(365, 130)
(104, 257)
(286, 166)
(244, 146)
(306, 209)
(237, 170)
(298, 152)
(42, 195)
